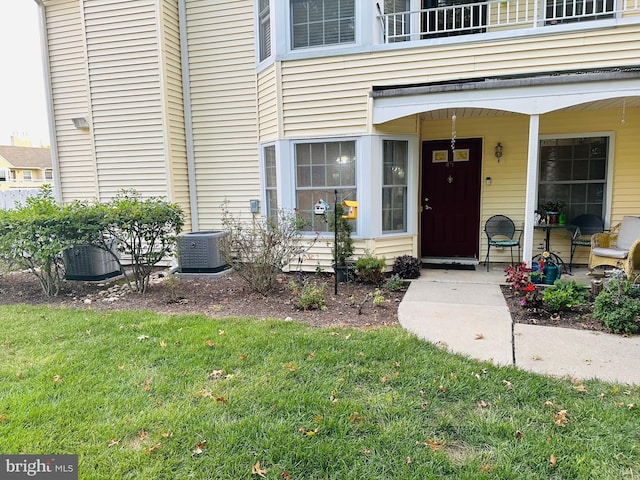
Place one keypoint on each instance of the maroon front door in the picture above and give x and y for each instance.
(450, 203)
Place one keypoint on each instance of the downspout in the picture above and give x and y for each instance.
(188, 121)
(57, 188)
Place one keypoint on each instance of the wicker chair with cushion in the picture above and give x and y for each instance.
(501, 233)
(584, 227)
(619, 248)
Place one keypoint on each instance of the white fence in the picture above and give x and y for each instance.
(11, 198)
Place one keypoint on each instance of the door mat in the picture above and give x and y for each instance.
(448, 266)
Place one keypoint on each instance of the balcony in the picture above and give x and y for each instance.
(457, 17)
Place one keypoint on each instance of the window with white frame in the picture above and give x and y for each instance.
(322, 22)
(574, 171)
(264, 29)
(270, 180)
(3, 175)
(397, 24)
(395, 154)
(26, 175)
(321, 169)
(48, 174)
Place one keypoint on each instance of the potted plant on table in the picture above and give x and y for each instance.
(553, 211)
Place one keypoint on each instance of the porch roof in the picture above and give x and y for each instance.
(526, 94)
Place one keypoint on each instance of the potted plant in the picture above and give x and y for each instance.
(343, 248)
(552, 209)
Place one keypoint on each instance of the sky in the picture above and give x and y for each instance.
(23, 108)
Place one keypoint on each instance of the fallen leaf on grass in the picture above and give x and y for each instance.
(113, 442)
(222, 400)
(580, 388)
(291, 366)
(553, 461)
(199, 448)
(286, 475)
(216, 374)
(486, 468)
(57, 379)
(548, 403)
(560, 418)
(4, 417)
(167, 434)
(312, 354)
(142, 337)
(210, 343)
(355, 417)
(163, 344)
(409, 461)
(433, 444)
(257, 470)
(518, 434)
(308, 433)
(507, 384)
(483, 404)
(220, 332)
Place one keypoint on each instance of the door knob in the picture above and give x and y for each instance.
(426, 203)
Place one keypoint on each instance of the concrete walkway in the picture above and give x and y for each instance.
(466, 312)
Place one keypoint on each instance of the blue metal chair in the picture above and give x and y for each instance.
(501, 233)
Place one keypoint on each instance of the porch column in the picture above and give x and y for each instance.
(531, 189)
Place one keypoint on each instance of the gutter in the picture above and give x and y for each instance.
(188, 118)
(57, 187)
(621, 73)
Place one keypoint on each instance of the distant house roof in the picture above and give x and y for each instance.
(27, 157)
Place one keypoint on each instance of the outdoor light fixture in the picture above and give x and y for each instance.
(80, 123)
(498, 151)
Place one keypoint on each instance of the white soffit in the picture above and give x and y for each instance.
(533, 96)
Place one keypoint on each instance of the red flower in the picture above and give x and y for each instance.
(530, 288)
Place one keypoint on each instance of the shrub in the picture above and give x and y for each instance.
(564, 295)
(145, 230)
(394, 283)
(407, 266)
(311, 297)
(258, 249)
(370, 268)
(34, 236)
(619, 313)
(343, 246)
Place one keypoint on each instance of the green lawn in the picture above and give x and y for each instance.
(147, 396)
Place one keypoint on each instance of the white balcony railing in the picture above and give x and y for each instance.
(452, 17)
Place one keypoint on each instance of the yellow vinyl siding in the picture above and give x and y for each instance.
(129, 153)
(268, 104)
(65, 46)
(224, 106)
(329, 95)
(178, 188)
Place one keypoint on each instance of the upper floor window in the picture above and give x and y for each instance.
(322, 22)
(573, 171)
(26, 175)
(568, 11)
(264, 29)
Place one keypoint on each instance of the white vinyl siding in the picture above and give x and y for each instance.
(69, 90)
(221, 46)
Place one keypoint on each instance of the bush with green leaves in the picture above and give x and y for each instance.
(33, 237)
(259, 248)
(407, 266)
(343, 244)
(369, 268)
(618, 306)
(145, 230)
(564, 295)
(310, 296)
(395, 284)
